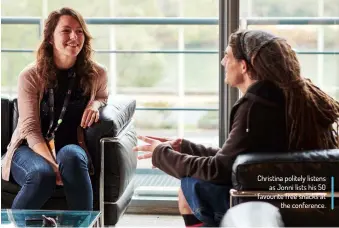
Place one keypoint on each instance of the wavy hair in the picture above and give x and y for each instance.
(84, 65)
(312, 116)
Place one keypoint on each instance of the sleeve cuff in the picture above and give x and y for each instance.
(157, 153)
(32, 140)
(184, 146)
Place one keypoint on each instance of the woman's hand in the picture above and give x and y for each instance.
(43, 150)
(58, 178)
(152, 144)
(90, 116)
(57, 174)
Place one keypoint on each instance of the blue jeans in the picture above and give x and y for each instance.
(38, 181)
(209, 202)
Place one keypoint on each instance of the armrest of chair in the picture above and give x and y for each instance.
(259, 171)
(114, 117)
(116, 128)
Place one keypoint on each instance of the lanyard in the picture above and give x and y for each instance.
(50, 133)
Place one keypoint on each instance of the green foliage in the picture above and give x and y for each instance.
(157, 104)
(293, 8)
(11, 65)
(210, 120)
(161, 119)
(139, 71)
(21, 8)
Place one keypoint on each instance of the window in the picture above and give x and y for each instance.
(311, 27)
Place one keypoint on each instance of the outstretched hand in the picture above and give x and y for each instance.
(175, 143)
(149, 148)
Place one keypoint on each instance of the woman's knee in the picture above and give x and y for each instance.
(71, 154)
(30, 168)
(188, 181)
(43, 176)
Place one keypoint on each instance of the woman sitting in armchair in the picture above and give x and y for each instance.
(58, 96)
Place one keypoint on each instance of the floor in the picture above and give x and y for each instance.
(141, 220)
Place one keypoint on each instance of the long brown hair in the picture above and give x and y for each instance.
(84, 66)
(312, 116)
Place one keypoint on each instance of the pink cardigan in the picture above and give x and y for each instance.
(29, 97)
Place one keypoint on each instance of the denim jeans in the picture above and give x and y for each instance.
(38, 181)
(208, 201)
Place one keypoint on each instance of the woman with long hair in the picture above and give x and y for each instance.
(58, 96)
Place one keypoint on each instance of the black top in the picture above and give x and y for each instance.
(67, 131)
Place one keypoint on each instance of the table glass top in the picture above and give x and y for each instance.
(38, 218)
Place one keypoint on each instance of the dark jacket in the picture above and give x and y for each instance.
(257, 124)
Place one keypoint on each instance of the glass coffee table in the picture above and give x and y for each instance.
(41, 218)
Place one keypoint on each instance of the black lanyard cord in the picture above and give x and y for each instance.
(50, 133)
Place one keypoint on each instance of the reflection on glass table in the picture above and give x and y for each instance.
(41, 218)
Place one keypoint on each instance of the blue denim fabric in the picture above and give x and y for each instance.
(209, 202)
(37, 178)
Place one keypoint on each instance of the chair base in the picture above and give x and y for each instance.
(114, 210)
